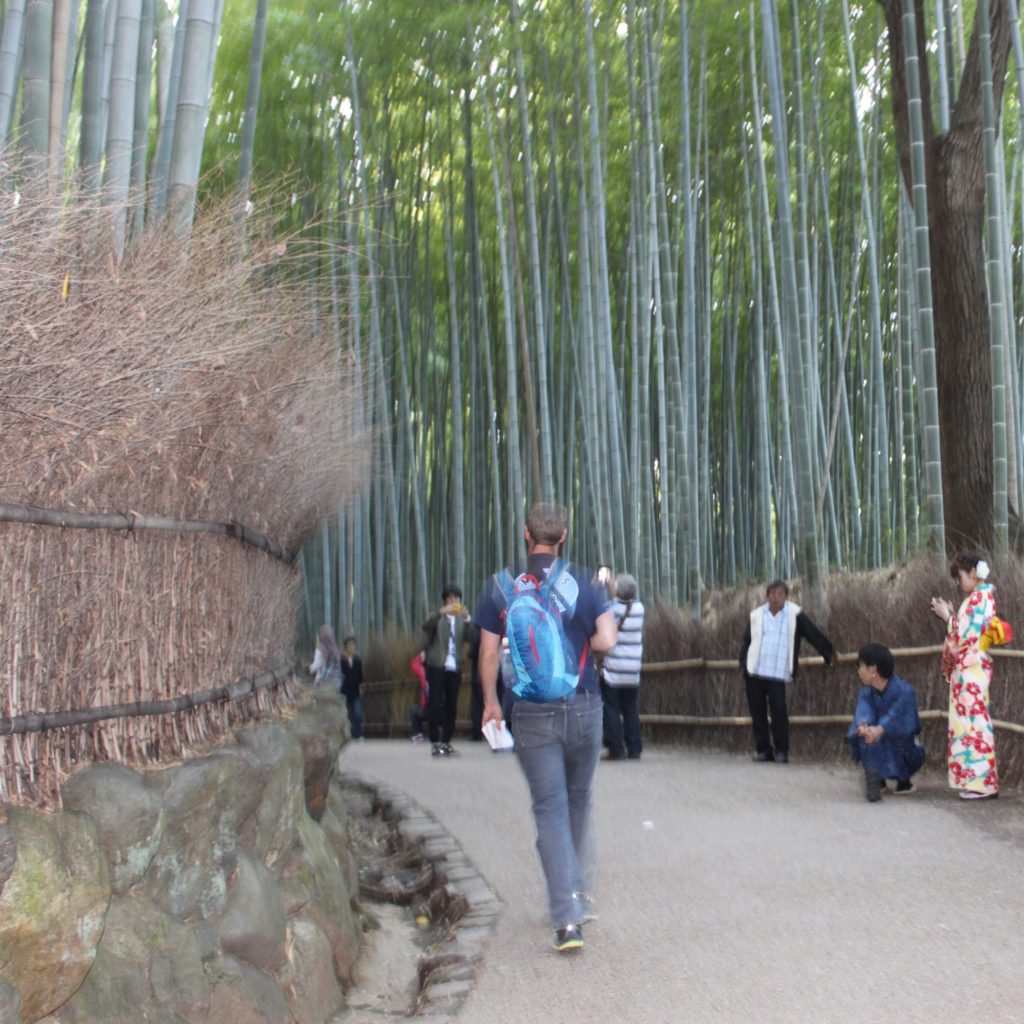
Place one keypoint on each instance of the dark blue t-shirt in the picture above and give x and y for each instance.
(592, 601)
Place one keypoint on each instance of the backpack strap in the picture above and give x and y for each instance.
(506, 584)
(551, 580)
(550, 584)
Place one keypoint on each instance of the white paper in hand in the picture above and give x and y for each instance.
(498, 738)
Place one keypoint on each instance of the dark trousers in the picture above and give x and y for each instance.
(416, 719)
(621, 719)
(764, 696)
(891, 757)
(355, 715)
(443, 701)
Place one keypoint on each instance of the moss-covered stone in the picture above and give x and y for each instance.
(8, 853)
(128, 818)
(321, 730)
(308, 979)
(10, 1003)
(204, 803)
(52, 909)
(271, 831)
(146, 959)
(253, 924)
(228, 894)
(242, 993)
(317, 867)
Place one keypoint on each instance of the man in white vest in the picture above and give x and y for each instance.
(769, 659)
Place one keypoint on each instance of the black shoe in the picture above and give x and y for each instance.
(448, 750)
(634, 757)
(569, 938)
(781, 757)
(437, 750)
(764, 755)
(904, 786)
(610, 756)
(872, 785)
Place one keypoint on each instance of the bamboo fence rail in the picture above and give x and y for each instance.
(720, 664)
(21, 724)
(135, 521)
(710, 664)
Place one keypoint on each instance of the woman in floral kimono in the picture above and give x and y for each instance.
(968, 670)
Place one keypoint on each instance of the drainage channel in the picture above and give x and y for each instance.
(429, 912)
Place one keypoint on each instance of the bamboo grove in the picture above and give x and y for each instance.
(657, 261)
(672, 264)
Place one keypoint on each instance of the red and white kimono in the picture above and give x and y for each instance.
(968, 671)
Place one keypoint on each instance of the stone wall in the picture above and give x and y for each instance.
(218, 890)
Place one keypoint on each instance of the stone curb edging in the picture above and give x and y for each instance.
(442, 999)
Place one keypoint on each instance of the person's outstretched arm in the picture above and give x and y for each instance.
(744, 648)
(817, 639)
(606, 632)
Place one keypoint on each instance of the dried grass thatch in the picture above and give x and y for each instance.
(186, 380)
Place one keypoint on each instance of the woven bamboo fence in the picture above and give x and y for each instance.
(171, 429)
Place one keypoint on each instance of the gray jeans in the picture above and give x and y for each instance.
(558, 746)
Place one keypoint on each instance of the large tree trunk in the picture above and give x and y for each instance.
(956, 212)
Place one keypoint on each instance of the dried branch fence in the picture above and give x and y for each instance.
(191, 377)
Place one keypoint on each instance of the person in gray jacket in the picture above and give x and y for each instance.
(620, 678)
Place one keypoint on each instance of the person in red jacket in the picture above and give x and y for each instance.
(420, 709)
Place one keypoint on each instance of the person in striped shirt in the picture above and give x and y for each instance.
(620, 677)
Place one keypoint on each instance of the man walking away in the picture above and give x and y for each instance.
(558, 741)
(769, 659)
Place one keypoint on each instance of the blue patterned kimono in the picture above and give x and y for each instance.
(896, 755)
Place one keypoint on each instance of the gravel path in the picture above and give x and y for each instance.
(738, 892)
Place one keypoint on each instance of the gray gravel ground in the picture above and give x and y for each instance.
(737, 892)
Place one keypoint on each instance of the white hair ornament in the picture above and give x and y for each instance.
(982, 569)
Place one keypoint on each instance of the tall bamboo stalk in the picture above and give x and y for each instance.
(934, 521)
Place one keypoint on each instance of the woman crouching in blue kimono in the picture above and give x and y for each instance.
(883, 736)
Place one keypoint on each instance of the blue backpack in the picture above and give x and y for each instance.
(544, 666)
